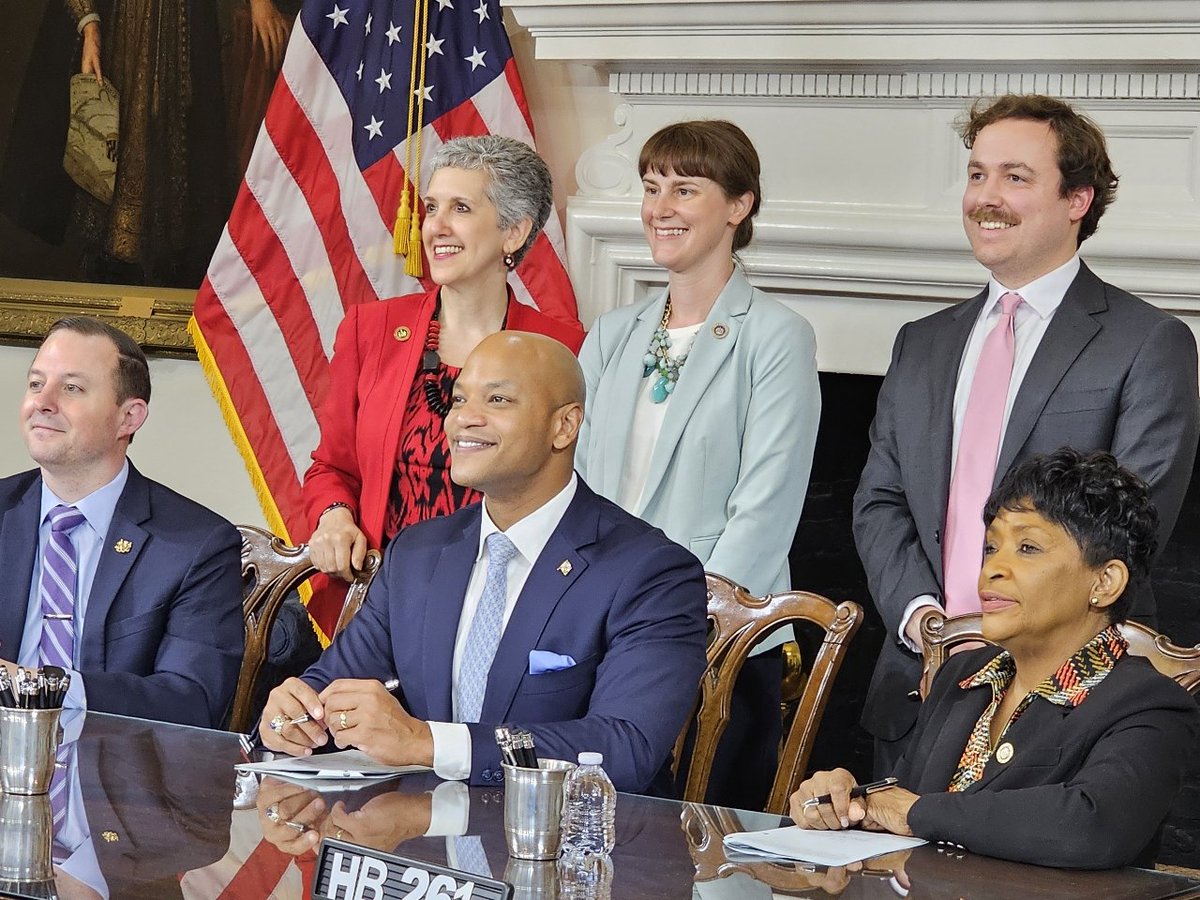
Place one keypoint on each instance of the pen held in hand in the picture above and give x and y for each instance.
(390, 685)
(860, 791)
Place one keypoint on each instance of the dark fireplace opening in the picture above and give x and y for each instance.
(823, 560)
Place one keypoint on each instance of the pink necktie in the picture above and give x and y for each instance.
(975, 467)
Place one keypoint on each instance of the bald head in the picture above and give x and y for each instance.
(550, 362)
(516, 411)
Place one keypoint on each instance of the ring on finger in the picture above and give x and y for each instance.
(278, 722)
(272, 813)
(342, 724)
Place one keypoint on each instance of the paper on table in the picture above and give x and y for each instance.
(823, 848)
(345, 765)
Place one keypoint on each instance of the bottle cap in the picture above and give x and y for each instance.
(591, 759)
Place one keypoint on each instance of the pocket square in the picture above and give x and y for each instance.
(542, 661)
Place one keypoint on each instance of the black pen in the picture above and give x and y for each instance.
(390, 685)
(861, 791)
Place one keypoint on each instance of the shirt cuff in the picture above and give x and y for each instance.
(915, 606)
(451, 750)
(85, 21)
(451, 809)
(76, 694)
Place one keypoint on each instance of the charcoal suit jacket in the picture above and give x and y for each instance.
(1111, 373)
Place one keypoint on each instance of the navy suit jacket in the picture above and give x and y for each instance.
(1086, 788)
(631, 611)
(1111, 373)
(163, 635)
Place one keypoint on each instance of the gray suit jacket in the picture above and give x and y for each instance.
(1111, 373)
(729, 472)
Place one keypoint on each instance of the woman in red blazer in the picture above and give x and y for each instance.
(383, 462)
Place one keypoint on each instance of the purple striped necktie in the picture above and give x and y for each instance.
(60, 796)
(56, 591)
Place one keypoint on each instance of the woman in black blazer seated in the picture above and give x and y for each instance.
(1056, 747)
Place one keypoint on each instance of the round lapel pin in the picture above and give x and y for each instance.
(1004, 753)
(402, 334)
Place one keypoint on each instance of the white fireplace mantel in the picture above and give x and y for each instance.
(851, 106)
(816, 32)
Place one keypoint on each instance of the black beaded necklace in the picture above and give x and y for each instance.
(435, 398)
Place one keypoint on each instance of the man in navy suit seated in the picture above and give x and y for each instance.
(544, 605)
(133, 589)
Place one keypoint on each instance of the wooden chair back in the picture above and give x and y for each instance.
(358, 590)
(939, 634)
(272, 569)
(739, 622)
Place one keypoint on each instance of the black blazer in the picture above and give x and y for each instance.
(1111, 373)
(1086, 788)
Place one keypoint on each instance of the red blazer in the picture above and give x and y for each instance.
(376, 356)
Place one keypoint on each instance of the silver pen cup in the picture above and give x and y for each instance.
(533, 808)
(28, 741)
(26, 836)
(532, 879)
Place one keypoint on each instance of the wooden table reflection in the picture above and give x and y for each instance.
(168, 819)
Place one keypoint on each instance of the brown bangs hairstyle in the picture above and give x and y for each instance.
(712, 149)
(1082, 153)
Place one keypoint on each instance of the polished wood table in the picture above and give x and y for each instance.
(168, 817)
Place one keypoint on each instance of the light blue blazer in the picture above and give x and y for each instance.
(729, 473)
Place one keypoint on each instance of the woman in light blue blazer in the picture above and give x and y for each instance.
(703, 406)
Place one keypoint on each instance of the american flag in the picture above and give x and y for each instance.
(311, 230)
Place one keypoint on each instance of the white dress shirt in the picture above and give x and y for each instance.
(1042, 298)
(451, 740)
(97, 508)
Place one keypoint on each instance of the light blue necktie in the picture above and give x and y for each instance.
(471, 855)
(484, 636)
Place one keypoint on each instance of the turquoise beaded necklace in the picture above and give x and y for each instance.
(657, 359)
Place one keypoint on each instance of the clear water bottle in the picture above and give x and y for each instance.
(584, 876)
(589, 809)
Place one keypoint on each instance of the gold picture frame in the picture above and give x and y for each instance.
(155, 317)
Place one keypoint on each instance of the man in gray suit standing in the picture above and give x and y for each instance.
(1046, 355)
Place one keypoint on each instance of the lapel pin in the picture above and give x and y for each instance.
(1004, 753)
(110, 837)
(403, 333)
(123, 546)
(565, 568)
(720, 330)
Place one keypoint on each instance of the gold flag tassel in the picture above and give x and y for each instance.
(412, 262)
(404, 214)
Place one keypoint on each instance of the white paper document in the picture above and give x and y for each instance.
(346, 765)
(823, 848)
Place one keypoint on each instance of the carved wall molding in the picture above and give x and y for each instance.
(1148, 85)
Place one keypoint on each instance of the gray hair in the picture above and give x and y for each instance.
(518, 179)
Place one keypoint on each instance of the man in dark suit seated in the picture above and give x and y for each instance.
(545, 605)
(1046, 355)
(133, 589)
